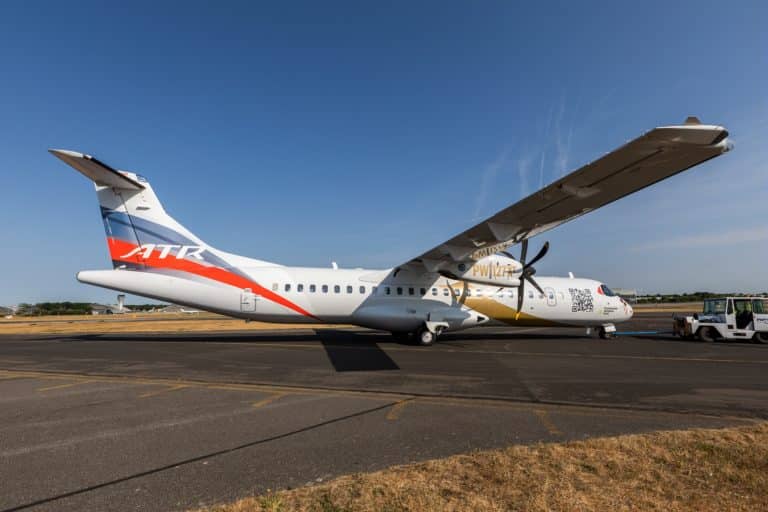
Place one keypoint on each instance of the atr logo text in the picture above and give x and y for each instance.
(146, 250)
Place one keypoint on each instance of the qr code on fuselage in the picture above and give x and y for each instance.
(581, 300)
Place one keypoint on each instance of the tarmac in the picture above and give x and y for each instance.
(174, 422)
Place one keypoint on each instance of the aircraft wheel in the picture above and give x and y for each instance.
(425, 337)
(707, 334)
(761, 337)
(605, 335)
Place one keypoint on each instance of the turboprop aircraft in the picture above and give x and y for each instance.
(467, 281)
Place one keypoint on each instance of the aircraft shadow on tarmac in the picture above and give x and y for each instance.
(347, 350)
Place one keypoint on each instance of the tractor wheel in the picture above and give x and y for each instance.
(707, 334)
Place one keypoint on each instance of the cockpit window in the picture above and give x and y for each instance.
(607, 291)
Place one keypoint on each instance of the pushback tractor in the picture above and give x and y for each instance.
(726, 318)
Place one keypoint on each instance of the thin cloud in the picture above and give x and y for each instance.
(736, 236)
(488, 178)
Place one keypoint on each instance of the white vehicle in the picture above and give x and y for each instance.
(467, 281)
(727, 318)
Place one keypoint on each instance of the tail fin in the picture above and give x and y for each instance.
(136, 225)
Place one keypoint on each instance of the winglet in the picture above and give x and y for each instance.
(98, 172)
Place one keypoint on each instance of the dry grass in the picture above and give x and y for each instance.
(137, 323)
(702, 470)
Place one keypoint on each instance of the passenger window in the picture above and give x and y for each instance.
(457, 292)
(299, 287)
(469, 292)
(410, 291)
(362, 289)
(399, 291)
(312, 288)
(423, 291)
(445, 292)
(325, 288)
(387, 290)
(336, 289)
(530, 295)
(349, 289)
(287, 287)
(434, 291)
(551, 296)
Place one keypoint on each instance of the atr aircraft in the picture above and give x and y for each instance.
(467, 281)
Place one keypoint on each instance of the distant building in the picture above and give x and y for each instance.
(111, 309)
(627, 294)
(108, 309)
(175, 308)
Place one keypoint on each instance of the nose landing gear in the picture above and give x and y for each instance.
(605, 331)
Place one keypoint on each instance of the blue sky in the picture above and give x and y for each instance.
(366, 133)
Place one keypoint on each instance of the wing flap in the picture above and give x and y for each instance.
(98, 172)
(648, 159)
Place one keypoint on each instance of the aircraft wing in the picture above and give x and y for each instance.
(650, 158)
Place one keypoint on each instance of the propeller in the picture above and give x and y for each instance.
(527, 272)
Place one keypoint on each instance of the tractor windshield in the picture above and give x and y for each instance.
(714, 307)
(760, 306)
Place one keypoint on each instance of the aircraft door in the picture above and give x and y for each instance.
(551, 297)
(248, 301)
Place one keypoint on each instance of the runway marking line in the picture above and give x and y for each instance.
(268, 400)
(397, 409)
(546, 421)
(62, 386)
(162, 391)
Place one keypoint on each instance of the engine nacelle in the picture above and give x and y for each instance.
(495, 270)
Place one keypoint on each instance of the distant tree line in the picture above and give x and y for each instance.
(71, 308)
(692, 297)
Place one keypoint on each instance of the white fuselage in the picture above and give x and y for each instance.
(398, 301)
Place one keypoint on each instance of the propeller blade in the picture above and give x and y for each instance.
(531, 280)
(508, 255)
(541, 254)
(524, 251)
(453, 294)
(520, 294)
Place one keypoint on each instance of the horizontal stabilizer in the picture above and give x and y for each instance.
(98, 172)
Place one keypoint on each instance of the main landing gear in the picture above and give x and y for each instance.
(426, 336)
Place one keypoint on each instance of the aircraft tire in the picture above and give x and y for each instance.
(604, 335)
(425, 337)
(761, 337)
